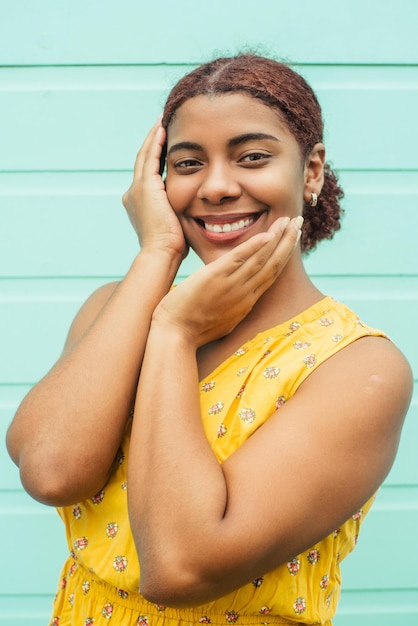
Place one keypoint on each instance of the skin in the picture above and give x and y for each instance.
(226, 530)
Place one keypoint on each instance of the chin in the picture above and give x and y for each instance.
(212, 255)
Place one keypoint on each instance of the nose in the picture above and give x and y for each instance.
(219, 185)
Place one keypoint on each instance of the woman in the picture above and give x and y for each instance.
(234, 429)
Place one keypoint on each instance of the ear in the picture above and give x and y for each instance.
(314, 171)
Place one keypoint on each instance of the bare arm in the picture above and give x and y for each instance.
(67, 430)
(203, 529)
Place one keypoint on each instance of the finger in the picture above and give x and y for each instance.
(245, 256)
(286, 245)
(152, 162)
(280, 225)
(258, 261)
(149, 145)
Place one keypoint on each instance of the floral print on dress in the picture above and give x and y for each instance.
(216, 408)
(240, 392)
(208, 386)
(77, 511)
(280, 402)
(293, 566)
(325, 321)
(310, 360)
(299, 606)
(313, 556)
(98, 497)
(107, 610)
(302, 345)
(72, 569)
(231, 617)
(81, 543)
(293, 327)
(247, 415)
(142, 620)
(120, 563)
(257, 582)
(112, 530)
(357, 515)
(271, 372)
(222, 430)
(323, 583)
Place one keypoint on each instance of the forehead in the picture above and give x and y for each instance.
(224, 115)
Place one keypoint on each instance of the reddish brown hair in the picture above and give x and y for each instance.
(278, 86)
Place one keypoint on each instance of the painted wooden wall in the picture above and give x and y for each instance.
(80, 83)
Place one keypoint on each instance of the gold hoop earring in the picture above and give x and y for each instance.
(314, 199)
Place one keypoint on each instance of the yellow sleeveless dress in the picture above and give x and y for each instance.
(99, 581)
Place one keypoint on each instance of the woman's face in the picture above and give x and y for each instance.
(232, 169)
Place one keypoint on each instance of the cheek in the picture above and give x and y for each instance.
(176, 193)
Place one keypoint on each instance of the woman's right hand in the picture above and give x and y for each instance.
(146, 200)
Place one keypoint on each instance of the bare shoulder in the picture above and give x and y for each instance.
(364, 391)
(89, 312)
(371, 369)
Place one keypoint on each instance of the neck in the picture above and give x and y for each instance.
(290, 294)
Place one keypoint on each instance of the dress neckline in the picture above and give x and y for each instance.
(284, 328)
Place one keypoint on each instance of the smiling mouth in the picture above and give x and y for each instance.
(228, 227)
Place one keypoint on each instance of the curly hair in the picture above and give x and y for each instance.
(286, 91)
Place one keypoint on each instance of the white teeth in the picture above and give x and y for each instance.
(227, 228)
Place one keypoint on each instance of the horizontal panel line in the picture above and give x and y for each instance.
(64, 277)
(130, 170)
(14, 384)
(390, 590)
(354, 170)
(190, 64)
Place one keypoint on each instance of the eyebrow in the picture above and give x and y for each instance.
(184, 145)
(234, 141)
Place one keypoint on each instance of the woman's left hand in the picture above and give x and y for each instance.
(213, 300)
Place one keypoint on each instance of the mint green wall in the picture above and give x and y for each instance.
(80, 83)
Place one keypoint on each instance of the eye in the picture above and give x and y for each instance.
(258, 158)
(187, 165)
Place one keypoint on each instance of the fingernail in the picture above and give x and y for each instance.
(298, 223)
